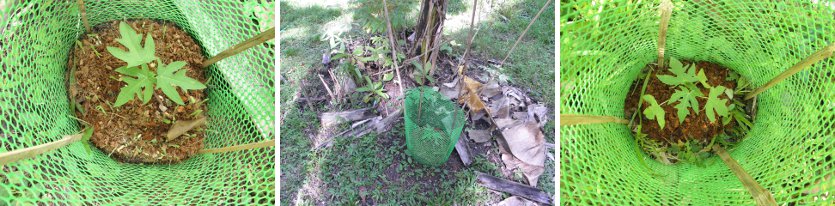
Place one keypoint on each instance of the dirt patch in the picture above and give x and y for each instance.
(697, 126)
(135, 132)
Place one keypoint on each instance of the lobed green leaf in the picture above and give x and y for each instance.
(654, 111)
(167, 80)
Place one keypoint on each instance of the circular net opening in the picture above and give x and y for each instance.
(789, 149)
(36, 40)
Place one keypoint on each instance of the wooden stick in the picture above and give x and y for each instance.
(760, 194)
(393, 47)
(256, 40)
(181, 127)
(514, 188)
(666, 10)
(463, 151)
(328, 89)
(523, 32)
(578, 119)
(268, 143)
(470, 35)
(84, 16)
(812, 59)
(9, 157)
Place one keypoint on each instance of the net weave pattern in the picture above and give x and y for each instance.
(604, 46)
(433, 126)
(35, 40)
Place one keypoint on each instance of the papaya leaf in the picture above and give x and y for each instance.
(167, 79)
(136, 53)
(681, 75)
(703, 78)
(141, 85)
(654, 111)
(714, 105)
(687, 99)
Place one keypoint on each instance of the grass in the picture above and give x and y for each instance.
(374, 169)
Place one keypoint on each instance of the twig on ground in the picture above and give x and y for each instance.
(330, 92)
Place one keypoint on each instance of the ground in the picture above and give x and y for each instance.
(374, 169)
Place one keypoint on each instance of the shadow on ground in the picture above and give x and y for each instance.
(375, 169)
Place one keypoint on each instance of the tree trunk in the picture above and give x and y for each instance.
(427, 36)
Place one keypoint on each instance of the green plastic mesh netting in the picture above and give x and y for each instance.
(432, 126)
(36, 40)
(604, 45)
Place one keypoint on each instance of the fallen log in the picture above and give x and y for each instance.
(514, 188)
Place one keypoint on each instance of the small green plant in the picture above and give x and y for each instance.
(375, 89)
(686, 80)
(714, 105)
(421, 73)
(140, 80)
(654, 111)
(687, 99)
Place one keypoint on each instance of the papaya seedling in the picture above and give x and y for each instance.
(140, 80)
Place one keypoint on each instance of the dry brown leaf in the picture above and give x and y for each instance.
(491, 89)
(531, 172)
(526, 142)
(470, 96)
(521, 116)
(475, 116)
(450, 90)
(502, 123)
(500, 108)
(181, 127)
(479, 136)
(540, 112)
(516, 201)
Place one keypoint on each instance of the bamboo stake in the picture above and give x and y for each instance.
(526, 31)
(470, 34)
(268, 143)
(812, 59)
(760, 194)
(463, 64)
(256, 40)
(393, 47)
(666, 10)
(84, 16)
(578, 119)
(9, 157)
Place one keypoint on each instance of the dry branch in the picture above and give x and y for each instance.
(181, 127)
(578, 119)
(9, 157)
(470, 34)
(393, 47)
(463, 151)
(84, 16)
(526, 31)
(328, 89)
(502, 185)
(256, 40)
(268, 143)
(760, 194)
(666, 10)
(812, 59)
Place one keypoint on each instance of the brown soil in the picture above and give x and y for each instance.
(696, 127)
(135, 132)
